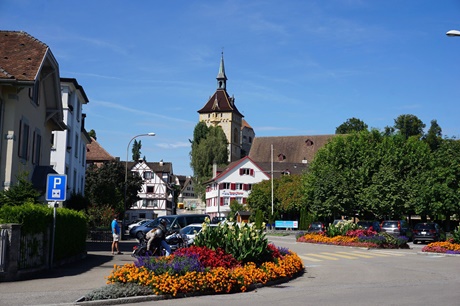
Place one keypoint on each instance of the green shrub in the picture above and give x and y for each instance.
(118, 290)
(456, 235)
(70, 231)
(246, 242)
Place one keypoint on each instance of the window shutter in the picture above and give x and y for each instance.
(245, 186)
(241, 171)
(221, 201)
(232, 186)
(251, 171)
(244, 200)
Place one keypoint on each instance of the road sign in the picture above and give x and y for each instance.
(56, 187)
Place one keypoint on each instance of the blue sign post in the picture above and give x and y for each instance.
(56, 187)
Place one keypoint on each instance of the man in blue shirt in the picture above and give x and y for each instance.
(116, 235)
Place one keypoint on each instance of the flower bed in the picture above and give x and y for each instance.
(202, 270)
(356, 238)
(446, 247)
(227, 258)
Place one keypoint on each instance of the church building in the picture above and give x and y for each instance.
(220, 110)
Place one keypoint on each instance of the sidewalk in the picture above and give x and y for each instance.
(66, 284)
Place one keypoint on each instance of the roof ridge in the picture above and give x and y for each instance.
(25, 34)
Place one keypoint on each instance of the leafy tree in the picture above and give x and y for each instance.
(23, 191)
(260, 198)
(234, 208)
(209, 146)
(350, 126)
(92, 133)
(289, 194)
(442, 183)
(367, 174)
(105, 185)
(409, 125)
(77, 202)
(434, 136)
(136, 150)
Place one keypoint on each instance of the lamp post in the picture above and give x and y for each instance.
(126, 172)
(453, 33)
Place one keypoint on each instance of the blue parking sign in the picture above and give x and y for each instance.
(56, 187)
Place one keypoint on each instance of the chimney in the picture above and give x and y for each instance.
(214, 169)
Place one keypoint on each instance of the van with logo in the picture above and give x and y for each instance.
(175, 223)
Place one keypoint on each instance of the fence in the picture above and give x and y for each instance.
(22, 255)
(3, 249)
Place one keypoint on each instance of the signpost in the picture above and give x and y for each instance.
(56, 188)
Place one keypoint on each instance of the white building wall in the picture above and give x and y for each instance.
(68, 154)
(218, 197)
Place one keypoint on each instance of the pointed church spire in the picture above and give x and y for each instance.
(221, 77)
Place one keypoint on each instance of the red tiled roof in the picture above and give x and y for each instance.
(21, 55)
(95, 152)
(288, 149)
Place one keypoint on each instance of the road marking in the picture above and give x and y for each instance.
(358, 254)
(347, 256)
(309, 258)
(392, 253)
(322, 256)
(371, 253)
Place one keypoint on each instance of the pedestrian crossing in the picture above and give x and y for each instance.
(350, 255)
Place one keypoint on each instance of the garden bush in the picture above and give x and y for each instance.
(246, 242)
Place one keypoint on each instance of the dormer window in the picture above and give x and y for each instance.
(309, 142)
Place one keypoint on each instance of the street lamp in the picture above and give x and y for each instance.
(453, 33)
(126, 170)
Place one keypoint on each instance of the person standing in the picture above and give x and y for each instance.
(116, 235)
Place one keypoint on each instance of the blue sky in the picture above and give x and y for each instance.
(295, 67)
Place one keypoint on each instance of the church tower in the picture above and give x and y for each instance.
(221, 110)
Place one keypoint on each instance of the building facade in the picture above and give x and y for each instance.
(158, 191)
(234, 183)
(30, 108)
(68, 151)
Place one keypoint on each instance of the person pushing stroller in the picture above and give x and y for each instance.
(159, 233)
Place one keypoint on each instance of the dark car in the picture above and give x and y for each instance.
(316, 227)
(429, 231)
(397, 228)
(374, 225)
(175, 223)
(217, 220)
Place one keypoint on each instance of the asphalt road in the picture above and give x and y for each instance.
(334, 276)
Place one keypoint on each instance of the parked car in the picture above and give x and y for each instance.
(428, 231)
(175, 223)
(338, 221)
(190, 231)
(375, 225)
(138, 223)
(397, 228)
(217, 220)
(316, 227)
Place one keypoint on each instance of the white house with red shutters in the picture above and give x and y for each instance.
(234, 183)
